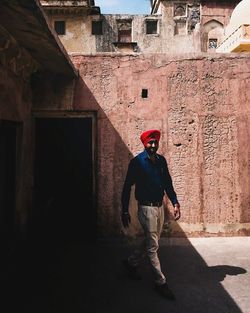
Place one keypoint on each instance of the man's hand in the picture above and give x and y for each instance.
(177, 211)
(126, 219)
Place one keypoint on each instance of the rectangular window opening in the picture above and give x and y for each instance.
(124, 35)
(213, 43)
(97, 28)
(124, 30)
(60, 27)
(144, 93)
(151, 27)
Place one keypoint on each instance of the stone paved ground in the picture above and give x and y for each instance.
(210, 275)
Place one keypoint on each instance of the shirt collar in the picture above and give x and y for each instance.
(146, 156)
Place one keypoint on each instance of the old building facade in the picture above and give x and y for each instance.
(82, 113)
(172, 27)
(135, 67)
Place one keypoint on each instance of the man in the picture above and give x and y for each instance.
(149, 172)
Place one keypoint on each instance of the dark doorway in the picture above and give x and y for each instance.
(64, 207)
(8, 135)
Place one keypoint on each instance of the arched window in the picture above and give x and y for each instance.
(180, 10)
(212, 35)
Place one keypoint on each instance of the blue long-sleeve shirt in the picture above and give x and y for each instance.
(151, 180)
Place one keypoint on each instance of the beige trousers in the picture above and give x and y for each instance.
(151, 220)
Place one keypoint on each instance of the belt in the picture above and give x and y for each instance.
(147, 203)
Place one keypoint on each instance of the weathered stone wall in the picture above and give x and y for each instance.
(182, 33)
(182, 27)
(201, 106)
(166, 39)
(78, 37)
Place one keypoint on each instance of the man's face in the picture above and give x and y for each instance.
(152, 146)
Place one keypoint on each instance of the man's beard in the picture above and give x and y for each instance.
(152, 150)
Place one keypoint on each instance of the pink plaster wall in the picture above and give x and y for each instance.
(200, 104)
(216, 10)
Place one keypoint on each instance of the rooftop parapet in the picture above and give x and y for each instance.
(66, 3)
(69, 7)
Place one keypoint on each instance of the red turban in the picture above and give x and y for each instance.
(150, 134)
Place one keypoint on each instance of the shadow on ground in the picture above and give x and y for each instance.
(72, 277)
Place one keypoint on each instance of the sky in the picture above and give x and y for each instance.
(124, 6)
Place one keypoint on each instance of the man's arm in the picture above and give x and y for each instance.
(169, 189)
(129, 181)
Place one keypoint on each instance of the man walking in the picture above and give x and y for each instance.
(149, 172)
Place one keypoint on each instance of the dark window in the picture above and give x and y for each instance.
(213, 43)
(60, 27)
(96, 27)
(151, 27)
(144, 93)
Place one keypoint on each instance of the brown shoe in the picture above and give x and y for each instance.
(164, 291)
(131, 270)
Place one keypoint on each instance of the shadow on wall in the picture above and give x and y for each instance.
(61, 206)
(65, 276)
(104, 43)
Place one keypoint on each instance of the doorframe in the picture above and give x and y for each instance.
(72, 114)
(18, 177)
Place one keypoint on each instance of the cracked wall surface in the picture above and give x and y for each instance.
(200, 104)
